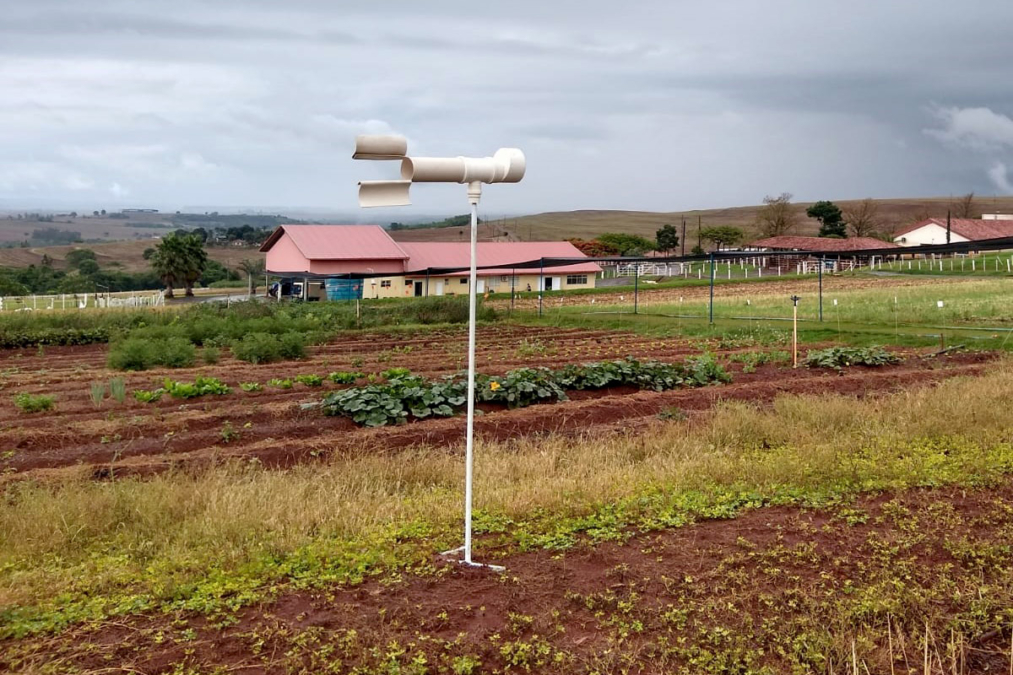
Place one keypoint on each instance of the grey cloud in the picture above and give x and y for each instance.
(256, 102)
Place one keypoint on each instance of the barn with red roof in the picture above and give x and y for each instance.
(365, 260)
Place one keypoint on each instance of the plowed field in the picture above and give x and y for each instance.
(270, 426)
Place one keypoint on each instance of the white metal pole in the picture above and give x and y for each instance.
(474, 194)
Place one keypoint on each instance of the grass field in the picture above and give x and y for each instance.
(806, 520)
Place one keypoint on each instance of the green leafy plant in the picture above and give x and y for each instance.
(393, 401)
(276, 382)
(251, 386)
(33, 403)
(391, 373)
(842, 357)
(97, 393)
(342, 377)
(118, 389)
(201, 386)
(694, 372)
(146, 396)
(521, 387)
(309, 380)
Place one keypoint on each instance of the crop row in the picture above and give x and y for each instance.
(409, 396)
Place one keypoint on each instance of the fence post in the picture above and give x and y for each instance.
(636, 287)
(821, 288)
(541, 283)
(712, 290)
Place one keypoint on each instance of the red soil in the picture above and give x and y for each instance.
(138, 438)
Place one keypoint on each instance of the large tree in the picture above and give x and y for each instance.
(830, 218)
(628, 244)
(666, 238)
(777, 216)
(179, 260)
(722, 235)
(862, 218)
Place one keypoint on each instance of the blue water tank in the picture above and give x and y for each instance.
(343, 289)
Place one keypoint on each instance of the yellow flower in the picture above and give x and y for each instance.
(494, 385)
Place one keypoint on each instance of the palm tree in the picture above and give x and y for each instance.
(253, 268)
(179, 260)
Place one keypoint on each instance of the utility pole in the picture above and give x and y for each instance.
(947, 226)
(699, 229)
(684, 235)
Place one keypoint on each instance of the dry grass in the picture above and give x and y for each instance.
(152, 535)
(128, 254)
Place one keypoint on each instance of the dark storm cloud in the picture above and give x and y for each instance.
(646, 105)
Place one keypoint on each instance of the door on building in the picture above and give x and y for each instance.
(439, 288)
(480, 287)
(419, 287)
(548, 283)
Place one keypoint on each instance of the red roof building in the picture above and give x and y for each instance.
(933, 231)
(368, 250)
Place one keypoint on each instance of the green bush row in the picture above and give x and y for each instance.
(175, 352)
(401, 396)
(218, 325)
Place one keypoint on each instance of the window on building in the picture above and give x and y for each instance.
(576, 279)
(385, 283)
(464, 280)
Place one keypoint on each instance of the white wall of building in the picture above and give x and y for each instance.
(927, 234)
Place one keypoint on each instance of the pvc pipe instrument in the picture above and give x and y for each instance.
(507, 165)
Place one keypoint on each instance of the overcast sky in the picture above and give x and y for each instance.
(620, 105)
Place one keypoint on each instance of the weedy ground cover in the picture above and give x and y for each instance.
(214, 541)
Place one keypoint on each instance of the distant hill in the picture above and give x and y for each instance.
(893, 213)
(127, 256)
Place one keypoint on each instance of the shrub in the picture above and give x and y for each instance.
(841, 357)
(257, 348)
(202, 386)
(141, 353)
(31, 403)
(342, 377)
(132, 354)
(292, 345)
(250, 386)
(211, 355)
(309, 380)
(175, 352)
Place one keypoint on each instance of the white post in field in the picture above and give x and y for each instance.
(506, 166)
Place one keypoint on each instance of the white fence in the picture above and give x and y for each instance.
(78, 301)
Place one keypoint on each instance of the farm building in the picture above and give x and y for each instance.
(331, 254)
(837, 253)
(933, 230)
